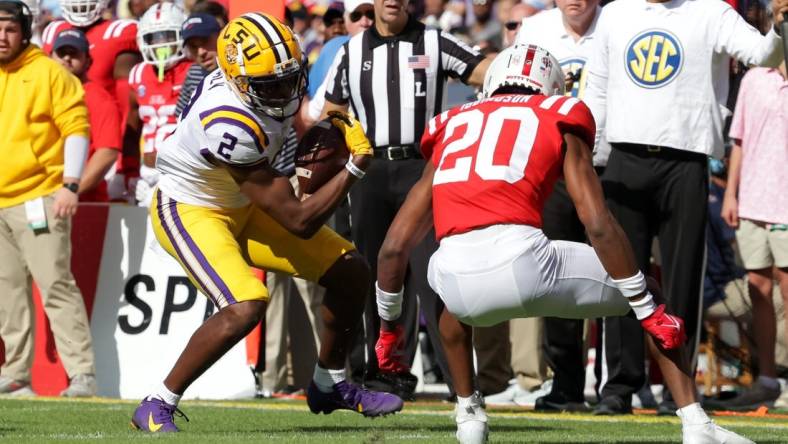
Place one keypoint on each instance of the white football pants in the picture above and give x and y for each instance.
(501, 272)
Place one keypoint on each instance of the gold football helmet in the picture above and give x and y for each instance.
(262, 60)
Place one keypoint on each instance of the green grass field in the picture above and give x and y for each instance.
(104, 420)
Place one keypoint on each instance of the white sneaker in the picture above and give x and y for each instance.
(528, 399)
(710, 433)
(12, 387)
(506, 397)
(80, 386)
(471, 421)
(782, 401)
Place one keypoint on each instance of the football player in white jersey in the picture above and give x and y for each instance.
(220, 208)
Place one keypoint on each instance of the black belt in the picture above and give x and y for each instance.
(663, 152)
(397, 152)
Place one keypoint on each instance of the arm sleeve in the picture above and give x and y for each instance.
(68, 104)
(337, 79)
(738, 39)
(458, 59)
(737, 123)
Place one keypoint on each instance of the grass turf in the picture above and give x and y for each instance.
(105, 420)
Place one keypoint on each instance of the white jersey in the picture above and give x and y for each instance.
(547, 30)
(658, 74)
(215, 129)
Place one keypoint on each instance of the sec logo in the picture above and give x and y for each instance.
(654, 58)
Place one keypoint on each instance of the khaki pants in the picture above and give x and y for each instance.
(43, 257)
(528, 363)
(493, 356)
(283, 319)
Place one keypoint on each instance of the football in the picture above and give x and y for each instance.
(320, 155)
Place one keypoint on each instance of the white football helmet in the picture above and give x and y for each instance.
(82, 13)
(525, 65)
(159, 35)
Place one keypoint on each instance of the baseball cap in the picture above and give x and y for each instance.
(199, 24)
(351, 5)
(74, 38)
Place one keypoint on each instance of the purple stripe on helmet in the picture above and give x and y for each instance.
(238, 124)
(206, 266)
(183, 259)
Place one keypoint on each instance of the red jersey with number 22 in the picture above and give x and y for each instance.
(496, 160)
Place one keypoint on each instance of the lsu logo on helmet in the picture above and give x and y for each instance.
(654, 58)
(263, 63)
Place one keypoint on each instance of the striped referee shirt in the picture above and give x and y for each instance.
(396, 84)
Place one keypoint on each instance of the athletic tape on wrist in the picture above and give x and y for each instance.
(643, 307)
(354, 170)
(631, 286)
(389, 304)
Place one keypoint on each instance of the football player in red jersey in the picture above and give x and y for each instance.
(113, 47)
(155, 88)
(492, 165)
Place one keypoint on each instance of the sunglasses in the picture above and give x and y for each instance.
(512, 26)
(357, 14)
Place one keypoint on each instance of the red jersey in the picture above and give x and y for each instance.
(157, 100)
(496, 160)
(104, 132)
(107, 40)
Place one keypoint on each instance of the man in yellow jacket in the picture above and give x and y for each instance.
(43, 146)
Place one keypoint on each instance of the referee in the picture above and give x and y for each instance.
(657, 81)
(394, 75)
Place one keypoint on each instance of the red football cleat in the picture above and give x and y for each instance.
(667, 330)
(390, 350)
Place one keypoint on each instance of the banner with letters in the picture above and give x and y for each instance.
(142, 309)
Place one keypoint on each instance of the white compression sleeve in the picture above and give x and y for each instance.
(75, 155)
(389, 304)
(634, 286)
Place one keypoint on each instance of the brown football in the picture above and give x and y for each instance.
(320, 155)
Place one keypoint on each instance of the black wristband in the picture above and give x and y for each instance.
(73, 187)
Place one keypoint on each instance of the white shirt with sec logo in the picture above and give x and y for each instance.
(547, 30)
(658, 72)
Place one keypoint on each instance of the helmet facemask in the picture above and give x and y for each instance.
(83, 13)
(277, 95)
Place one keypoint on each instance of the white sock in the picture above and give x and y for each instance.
(326, 378)
(769, 382)
(166, 395)
(692, 414)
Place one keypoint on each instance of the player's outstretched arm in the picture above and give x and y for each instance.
(412, 222)
(612, 246)
(274, 194)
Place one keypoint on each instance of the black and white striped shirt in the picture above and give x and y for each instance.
(396, 84)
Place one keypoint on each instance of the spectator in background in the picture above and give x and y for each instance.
(485, 31)
(359, 16)
(333, 24)
(513, 20)
(43, 144)
(441, 14)
(217, 9)
(199, 33)
(138, 7)
(648, 59)
(756, 204)
(71, 49)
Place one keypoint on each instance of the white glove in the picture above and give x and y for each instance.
(143, 193)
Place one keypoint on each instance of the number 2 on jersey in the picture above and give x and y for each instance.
(488, 138)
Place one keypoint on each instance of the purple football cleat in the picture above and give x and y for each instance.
(348, 396)
(155, 416)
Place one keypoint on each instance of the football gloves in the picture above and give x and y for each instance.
(355, 139)
(390, 350)
(667, 330)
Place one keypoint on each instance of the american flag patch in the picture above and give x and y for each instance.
(419, 62)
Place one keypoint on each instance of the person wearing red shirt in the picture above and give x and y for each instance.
(155, 87)
(113, 47)
(492, 164)
(71, 49)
